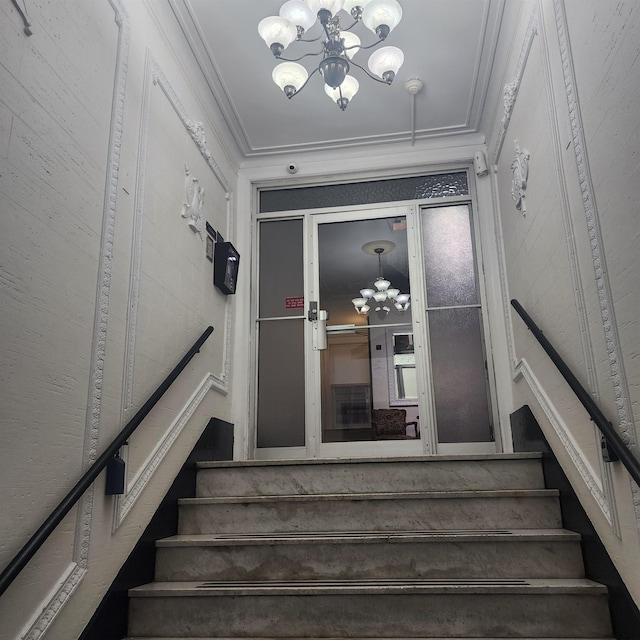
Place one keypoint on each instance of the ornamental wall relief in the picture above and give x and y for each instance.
(193, 207)
(519, 176)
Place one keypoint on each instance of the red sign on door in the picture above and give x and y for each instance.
(295, 302)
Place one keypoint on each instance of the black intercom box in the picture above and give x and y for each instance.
(226, 261)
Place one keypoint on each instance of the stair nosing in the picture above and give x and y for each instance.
(204, 588)
(395, 537)
(406, 495)
(239, 464)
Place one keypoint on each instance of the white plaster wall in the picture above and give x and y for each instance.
(572, 258)
(103, 286)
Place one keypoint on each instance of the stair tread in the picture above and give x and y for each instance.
(237, 464)
(370, 587)
(355, 537)
(407, 495)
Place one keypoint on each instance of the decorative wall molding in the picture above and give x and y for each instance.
(510, 92)
(194, 204)
(195, 129)
(586, 472)
(153, 463)
(519, 176)
(572, 250)
(154, 77)
(70, 581)
(607, 311)
(536, 27)
(610, 327)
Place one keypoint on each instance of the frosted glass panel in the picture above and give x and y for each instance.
(459, 379)
(281, 269)
(281, 405)
(373, 191)
(449, 261)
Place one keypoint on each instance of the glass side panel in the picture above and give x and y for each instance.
(281, 269)
(459, 379)
(449, 261)
(281, 384)
(374, 191)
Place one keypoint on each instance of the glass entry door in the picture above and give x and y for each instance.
(367, 372)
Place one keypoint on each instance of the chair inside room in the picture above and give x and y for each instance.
(391, 424)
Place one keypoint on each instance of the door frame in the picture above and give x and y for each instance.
(314, 448)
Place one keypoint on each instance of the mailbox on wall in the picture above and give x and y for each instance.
(225, 267)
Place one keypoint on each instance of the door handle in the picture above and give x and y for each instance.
(320, 331)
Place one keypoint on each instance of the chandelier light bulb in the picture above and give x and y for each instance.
(385, 62)
(380, 296)
(358, 303)
(382, 16)
(381, 284)
(330, 6)
(367, 293)
(348, 88)
(392, 293)
(355, 7)
(299, 14)
(290, 76)
(351, 43)
(278, 33)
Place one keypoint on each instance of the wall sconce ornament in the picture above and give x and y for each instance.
(520, 174)
(194, 205)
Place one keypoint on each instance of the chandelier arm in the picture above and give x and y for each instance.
(355, 22)
(305, 82)
(306, 55)
(375, 44)
(369, 74)
(312, 39)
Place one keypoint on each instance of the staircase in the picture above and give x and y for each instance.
(439, 547)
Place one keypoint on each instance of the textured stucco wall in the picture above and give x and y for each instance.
(103, 285)
(569, 99)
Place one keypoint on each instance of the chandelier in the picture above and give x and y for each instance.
(384, 295)
(337, 46)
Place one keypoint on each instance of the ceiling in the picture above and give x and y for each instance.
(448, 44)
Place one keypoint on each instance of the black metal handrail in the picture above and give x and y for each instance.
(612, 438)
(40, 536)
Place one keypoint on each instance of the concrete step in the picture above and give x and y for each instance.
(411, 511)
(406, 554)
(455, 473)
(389, 608)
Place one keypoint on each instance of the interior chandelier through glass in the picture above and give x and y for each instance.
(384, 293)
(298, 23)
